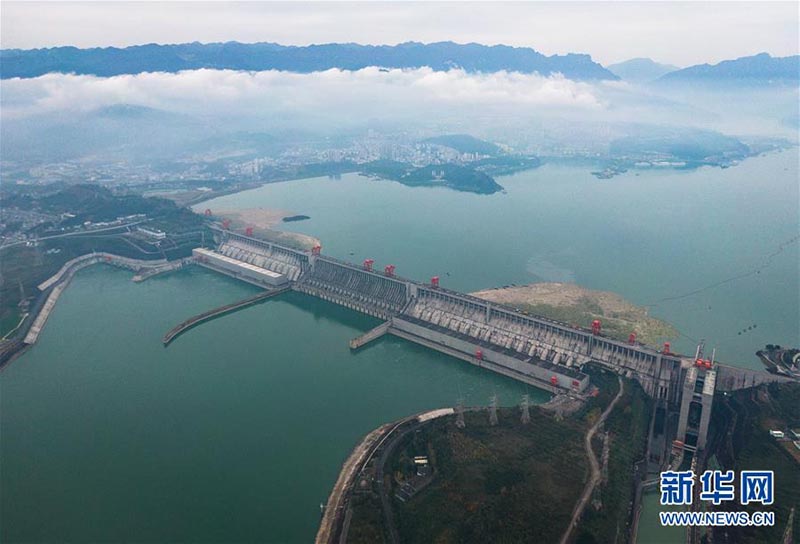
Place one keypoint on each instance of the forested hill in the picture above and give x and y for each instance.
(110, 61)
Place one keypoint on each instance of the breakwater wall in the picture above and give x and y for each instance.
(56, 288)
(52, 288)
(116, 260)
(369, 336)
(217, 312)
(151, 271)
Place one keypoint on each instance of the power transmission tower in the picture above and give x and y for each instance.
(37, 256)
(23, 301)
(493, 410)
(525, 407)
(788, 537)
(460, 414)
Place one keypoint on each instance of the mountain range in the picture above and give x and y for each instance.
(472, 57)
(640, 70)
(761, 69)
(758, 70)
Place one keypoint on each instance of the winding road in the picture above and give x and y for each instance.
(594, 466)
(78, 233)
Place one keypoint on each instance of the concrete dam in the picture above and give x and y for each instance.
(542, 352)
(535, 350)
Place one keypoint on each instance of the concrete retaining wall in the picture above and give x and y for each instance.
(539, 373)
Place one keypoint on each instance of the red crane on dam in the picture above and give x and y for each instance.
(596, 325)
(435, 281)
(368, 264)
(389, 270)
(704, 363)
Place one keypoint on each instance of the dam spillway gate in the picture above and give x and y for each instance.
(533, 349)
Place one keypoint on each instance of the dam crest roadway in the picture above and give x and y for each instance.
(535, 350)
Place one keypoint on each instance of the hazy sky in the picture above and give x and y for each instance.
(671, 32)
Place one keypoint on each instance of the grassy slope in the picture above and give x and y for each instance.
(628, 426)
(750, 414)
(509, 483)
(366, 525)
(515, 483)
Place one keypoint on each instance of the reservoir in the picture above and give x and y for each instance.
(669, 239)
(237, 430)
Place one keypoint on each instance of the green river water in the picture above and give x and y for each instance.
(237, 431)
(659, 235)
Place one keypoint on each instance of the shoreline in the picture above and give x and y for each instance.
(574, 304)
(27, 332)
(336, 509)
(588, 162)
(264, 222)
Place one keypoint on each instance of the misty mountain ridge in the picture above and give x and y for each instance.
(464, 143)
(682, 143)
(119, 130)
(640, 70)
(129, 111)
(441, 56)
(757, 70)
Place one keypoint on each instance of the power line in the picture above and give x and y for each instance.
(766, 263)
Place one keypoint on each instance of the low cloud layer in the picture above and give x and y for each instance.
(330, 102)
(369, 92)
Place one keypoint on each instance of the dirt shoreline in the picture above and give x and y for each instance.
(264, 222)
(263, 218)
(337, 500)
(580, 306)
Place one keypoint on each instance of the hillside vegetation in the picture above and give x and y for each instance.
(508, 483)
(740, 423)
(577, 305)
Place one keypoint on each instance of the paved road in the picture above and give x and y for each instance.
(337, 502)
(381, 441)
(80, 233)
(593, 465)
(386, 501)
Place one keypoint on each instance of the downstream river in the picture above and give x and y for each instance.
(236, 431)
